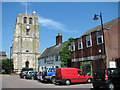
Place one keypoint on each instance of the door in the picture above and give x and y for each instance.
(81, 77)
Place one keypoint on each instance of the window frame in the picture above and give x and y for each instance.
(30, 20)
(88, 39)
(80, 42)
(72, 45)
(25, 19)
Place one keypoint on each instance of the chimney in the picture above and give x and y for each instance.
(58, 39)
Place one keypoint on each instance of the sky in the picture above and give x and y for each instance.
(71, 19)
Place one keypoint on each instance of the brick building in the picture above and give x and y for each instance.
(87, 51)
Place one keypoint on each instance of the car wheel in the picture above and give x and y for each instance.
(24, 77)
(53, 80)
(89, 80)
(67, 82)
(111, 86)
(32, 78)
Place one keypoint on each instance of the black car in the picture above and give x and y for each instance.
(107, 78)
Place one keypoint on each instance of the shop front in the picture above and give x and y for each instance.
(86, 66)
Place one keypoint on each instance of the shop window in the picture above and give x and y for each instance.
(88, 41)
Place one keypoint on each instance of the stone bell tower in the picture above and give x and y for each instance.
(26, 42)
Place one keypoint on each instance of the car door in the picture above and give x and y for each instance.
(81, 76)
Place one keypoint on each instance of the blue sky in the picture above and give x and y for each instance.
(72, 19)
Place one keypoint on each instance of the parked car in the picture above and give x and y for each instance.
(36, 76)
(71, 75)
(23, 74)
(107, 78)
(30, 74)
(49, 74)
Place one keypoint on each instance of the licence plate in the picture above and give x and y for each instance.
(98, 79)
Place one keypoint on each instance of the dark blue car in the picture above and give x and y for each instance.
(49, 74)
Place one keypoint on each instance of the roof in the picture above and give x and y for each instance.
(54, 50)
(105, 25)
(3, 53)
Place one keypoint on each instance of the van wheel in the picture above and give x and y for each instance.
(111, 86)
(53, 80)
(67, 82)
(89, 80)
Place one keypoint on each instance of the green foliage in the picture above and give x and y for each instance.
(65, 53)
(7, 64)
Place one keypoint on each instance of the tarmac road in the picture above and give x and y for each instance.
(14, 81)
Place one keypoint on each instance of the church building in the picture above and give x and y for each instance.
(26, 42)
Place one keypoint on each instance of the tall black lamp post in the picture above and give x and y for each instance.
(10, 61)
(102, 29)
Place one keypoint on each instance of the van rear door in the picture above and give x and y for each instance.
(99, 75)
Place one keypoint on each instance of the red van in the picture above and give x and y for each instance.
(71, 75)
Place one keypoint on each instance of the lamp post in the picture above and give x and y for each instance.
(10, 60)
(102, 29)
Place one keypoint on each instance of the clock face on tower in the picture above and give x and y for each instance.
(28, 27)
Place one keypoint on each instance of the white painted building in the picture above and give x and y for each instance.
(50, 58)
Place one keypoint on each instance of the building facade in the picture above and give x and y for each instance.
(88, 52)
(50, 58)
(26, 42)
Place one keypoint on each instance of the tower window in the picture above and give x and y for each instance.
(30, 20)
(27, 32)
(27, 51)
(25, 19)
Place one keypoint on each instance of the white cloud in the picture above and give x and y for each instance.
(54, 25)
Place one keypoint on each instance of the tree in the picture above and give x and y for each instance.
(65, 54)
(7, 65)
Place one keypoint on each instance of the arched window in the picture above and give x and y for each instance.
(25, 19)
(27, 64)
(27, 32)
(30, 20)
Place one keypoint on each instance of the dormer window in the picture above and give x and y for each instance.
(99, 37)
(80, 43)
(88, 41)
(25, 19)
(30, 20)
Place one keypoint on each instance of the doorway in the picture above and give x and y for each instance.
(27, 64)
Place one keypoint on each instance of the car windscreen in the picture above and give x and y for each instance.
(51, 70)
(115, 72)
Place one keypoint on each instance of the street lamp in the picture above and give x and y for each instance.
(102, 29)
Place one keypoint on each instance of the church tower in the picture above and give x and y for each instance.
(26, 42)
